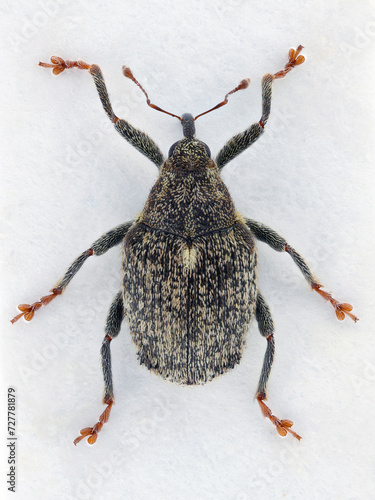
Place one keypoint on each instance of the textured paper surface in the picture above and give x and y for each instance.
(67, 177)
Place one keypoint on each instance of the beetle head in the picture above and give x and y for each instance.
(189, 145)
(188, 125)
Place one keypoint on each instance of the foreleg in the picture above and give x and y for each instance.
(137, 138)
(242, 141)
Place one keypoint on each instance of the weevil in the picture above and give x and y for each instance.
(189, 286)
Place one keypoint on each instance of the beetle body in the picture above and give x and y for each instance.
(189, 272)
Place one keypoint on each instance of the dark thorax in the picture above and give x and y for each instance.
(189, 198)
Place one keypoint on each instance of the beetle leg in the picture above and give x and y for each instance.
(266, 328)
(100, 246)
(238, 143)
(141, 141)
(113, 326)
(278, 243)
(341, 308)
(243, 140)
(28, 310)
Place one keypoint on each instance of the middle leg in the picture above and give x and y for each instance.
(278, 243)
(99, 247)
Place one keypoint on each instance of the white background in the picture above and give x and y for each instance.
(67, 177)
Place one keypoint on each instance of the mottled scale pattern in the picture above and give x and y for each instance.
(189, 198)
(189, 302)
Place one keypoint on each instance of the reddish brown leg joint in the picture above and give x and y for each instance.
(92, 432)
(282, 426)
(28, 310)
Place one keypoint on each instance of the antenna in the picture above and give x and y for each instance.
(243, 85)
(128, 73)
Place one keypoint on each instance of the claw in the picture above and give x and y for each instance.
(87, 431)
(92, 432)
(294, 60)
(28, 310)
(58, 65)
(282, 426)
(341, 308)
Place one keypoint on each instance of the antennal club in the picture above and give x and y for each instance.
(243, 85)
(129, 74)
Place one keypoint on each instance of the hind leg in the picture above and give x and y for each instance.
(266, 328)
(113, 326)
